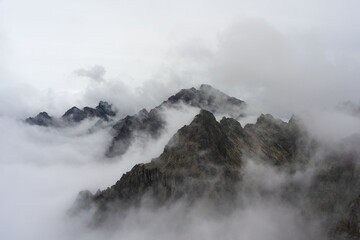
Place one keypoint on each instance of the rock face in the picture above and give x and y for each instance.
(152, 123)
(73, 115)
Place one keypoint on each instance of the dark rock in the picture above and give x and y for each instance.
(105, 108)
(74, 115)
(42, 119)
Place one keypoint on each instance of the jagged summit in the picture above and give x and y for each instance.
(211, 99)
(74, 115)
(102, 111)
(42, 119)
(105, 108)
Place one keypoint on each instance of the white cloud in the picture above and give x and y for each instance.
(95, 73)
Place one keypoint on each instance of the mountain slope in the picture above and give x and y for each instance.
(207, 160)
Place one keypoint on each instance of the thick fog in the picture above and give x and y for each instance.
(43, 170)
(281, 58)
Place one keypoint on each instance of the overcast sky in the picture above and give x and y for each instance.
(51, 51)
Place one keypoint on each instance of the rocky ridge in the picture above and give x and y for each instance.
(74, 115)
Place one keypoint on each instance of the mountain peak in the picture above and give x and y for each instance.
(105, 108)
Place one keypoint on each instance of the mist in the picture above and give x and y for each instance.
(45, 168)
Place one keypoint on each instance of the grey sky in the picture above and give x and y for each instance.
(44, 42)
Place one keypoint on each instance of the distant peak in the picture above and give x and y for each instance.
(73, 109)
(103, 104)
(44, 115)
(42, 119)
(143, 112)
(106, 108)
